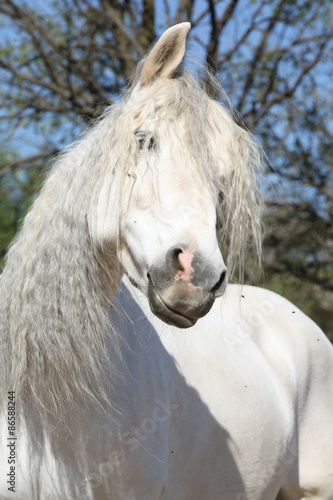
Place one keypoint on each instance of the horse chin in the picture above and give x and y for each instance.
(173, 315)
(162, 311)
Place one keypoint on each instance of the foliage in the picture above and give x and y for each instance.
(17, 190)
(61, 62)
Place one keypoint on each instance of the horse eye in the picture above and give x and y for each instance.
(145, 140)
(141, 138)
(152, 142)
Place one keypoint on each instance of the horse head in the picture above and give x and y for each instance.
(171, 186)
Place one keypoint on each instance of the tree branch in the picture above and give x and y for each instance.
(26, 159)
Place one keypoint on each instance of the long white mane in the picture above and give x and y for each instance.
(58, 282)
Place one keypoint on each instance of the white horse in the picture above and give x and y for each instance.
(180, 393)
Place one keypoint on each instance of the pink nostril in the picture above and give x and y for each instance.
(185, 259)
(174, 258)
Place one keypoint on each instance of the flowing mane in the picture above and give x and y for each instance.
(59, 280)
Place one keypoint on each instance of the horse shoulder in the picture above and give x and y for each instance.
(302, 357)
(280, 329)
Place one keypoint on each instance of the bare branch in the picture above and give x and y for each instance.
(259, 52)
(216, 29)
(184, 11)
(147, 32)
(290, 91)
(26, 159)
(228, 55)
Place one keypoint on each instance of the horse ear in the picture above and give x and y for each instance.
(166, 55)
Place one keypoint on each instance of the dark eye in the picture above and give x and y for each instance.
(145, 140)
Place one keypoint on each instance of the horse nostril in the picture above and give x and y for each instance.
(173, 259)
(220, 282)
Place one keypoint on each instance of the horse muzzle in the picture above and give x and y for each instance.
(185, 287)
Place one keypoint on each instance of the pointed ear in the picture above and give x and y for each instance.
(166, 55)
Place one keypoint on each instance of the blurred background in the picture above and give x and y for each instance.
(63, 61)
